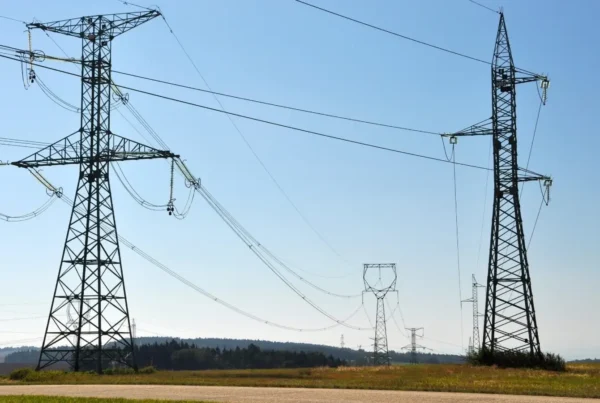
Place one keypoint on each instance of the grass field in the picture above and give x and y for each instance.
(54, 399)
(580, 380)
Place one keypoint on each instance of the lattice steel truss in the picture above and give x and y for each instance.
(510, 322)
(509, 319)
(413, 346)
(89, 325)
(381, 354)
(475, 301)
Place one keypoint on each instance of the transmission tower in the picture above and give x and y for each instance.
(380, 345)
(413, 346)
(474, 344)
(342, 342)
(510, 322)
(90, 284)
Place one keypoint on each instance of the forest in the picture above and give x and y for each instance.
(181, 355)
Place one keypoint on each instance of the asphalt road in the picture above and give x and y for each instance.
(270, 395)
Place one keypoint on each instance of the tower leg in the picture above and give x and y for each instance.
(381, 354)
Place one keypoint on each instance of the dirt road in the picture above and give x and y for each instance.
(270, 395)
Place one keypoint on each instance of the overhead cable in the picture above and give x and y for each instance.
(298, 129)
(276, 105)
(249, 238)
(486, 7)
(12, 19)
(402, 36)
(29, 216)
(253, 151)
(200, 290)
(457, 244)
(306, 131)
(133, 193)
(254, 248)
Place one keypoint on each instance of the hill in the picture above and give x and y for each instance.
(355, 357)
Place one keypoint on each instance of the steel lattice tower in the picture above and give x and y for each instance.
(413, 346)
(475, 301)
(90, 284)
(509, 320)
(380, 344)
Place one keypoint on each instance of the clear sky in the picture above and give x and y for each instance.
(372, 206)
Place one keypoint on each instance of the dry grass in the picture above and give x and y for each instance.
(580, 380)
(57, 399)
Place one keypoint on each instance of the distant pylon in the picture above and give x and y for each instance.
(413, 346)
(342, 343)
(474, 300)
(380, 345)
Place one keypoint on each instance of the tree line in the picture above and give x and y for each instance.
(180, 355)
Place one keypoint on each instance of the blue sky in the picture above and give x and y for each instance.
(372, 206)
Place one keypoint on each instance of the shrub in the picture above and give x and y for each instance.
(517, 359)
(20, 374)
(118, 371)
(147, 370)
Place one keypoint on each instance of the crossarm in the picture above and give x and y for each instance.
(68, 151)
(478, 129)
(115, 24)
(528, 176)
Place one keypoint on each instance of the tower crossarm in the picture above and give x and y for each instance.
(113, 24)
(69, 151)
(483, 128)
(529, 176)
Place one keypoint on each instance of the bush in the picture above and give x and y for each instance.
(20, 374)
(147, 370)
(517, 359)
(118, 371)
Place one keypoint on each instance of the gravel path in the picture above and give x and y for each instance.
(270, 395)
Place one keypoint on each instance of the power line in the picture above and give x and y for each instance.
(258, 249)
(392, 33)
(29, 216)
(151, 206)
(271, 122)
(394, 318)
(200, 290)
(537, 119)
(25, 318)
(457, 246)
(12, 19)
(20, 341)
(276, 105)
(537, 217)
(487, 180)
(486, 7)
(247, 99)
(299, 129)
(400, 35)
(240, 231)
(256, 156)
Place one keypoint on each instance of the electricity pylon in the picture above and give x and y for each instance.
(474, 345)
(510, 323)
(413, 346)
(90, 284)
(381, 354)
